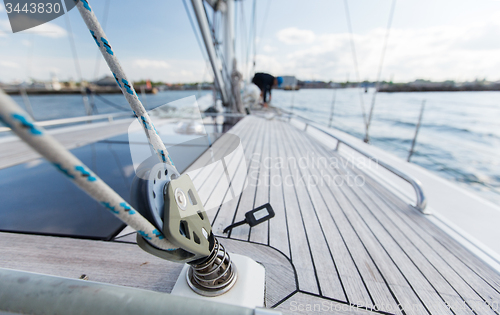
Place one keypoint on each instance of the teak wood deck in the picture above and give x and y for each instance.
(354, 241)
(339, 242)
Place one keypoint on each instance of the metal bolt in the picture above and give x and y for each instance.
(180, 198)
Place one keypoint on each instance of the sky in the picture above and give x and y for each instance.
(429, 39)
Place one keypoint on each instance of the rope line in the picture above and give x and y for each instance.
(126, 86)
(19, 121)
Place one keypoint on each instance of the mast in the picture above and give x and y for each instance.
(201, 17)
(229, 35)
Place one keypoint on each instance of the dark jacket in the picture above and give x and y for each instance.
(265, 82)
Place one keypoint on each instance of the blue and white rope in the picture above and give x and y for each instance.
(125, 85)
(21, 123)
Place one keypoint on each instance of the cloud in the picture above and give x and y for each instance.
(180, 70)
(462, 52)
(170, 70)
(4, 26)
(148, 63)
(269, 48)
(294, 36)
(8, 64)
(49, 30)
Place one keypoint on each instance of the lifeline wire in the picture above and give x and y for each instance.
(127, 88)
(379, 74)
(355, 60)
(20, 122)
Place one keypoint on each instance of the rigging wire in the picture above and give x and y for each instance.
(29, 56)
(254, 39)
(379, 74)
(251, 38)
(354, 58)
(194, 30)
(22, 90)
(112, 104)
(89, 109)
(98, 56)
(73, 48)
(198, 40)
(117, 106)
(263, 25)
(333, 107)
(244, 39)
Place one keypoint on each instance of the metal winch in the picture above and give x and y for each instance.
(171, 203)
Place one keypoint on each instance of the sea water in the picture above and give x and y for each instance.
(459, 138)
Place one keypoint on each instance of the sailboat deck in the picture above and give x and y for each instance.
(350, 241)
(339, 241)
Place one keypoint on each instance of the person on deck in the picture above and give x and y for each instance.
(265, 82)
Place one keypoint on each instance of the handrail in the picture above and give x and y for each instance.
(63, 121)
(421, 202)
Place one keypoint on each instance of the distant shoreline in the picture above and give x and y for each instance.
(396, 88)
(438, 88)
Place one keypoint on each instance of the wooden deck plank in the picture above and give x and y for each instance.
(448, 292)
(280, 277)
(226, 212)
(236, 168)
(470, 284)
(370, 254)
(381, 294)
(126, 264)
(247, 200)
(260, 233)
(299, 248)
(326, 270)
(215, 179)
(107, 262)
(278, 227)
(228, 200)
(208, 164)
(303, 303)
(420, 274)
(395, 280)
(425, 228)
(444, 278)
(417, 280)
(336, 234)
